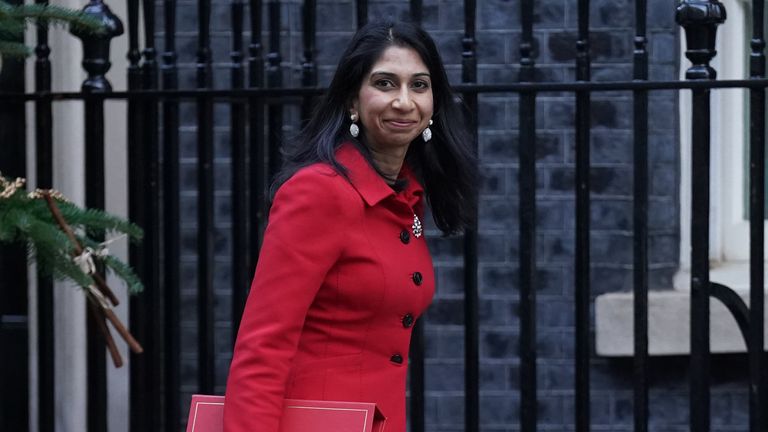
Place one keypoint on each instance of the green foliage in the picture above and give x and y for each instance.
(25, 218)
(15, 18)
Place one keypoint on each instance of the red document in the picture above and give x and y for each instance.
(206, 414)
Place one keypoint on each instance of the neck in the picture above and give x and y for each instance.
(389, 162)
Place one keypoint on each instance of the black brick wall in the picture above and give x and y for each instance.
(498, 37)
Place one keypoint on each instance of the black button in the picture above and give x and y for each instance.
(397, 358)
(407, 320)
(417, 278)
(405, 237)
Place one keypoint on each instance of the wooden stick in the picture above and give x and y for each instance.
(127, 336)
(98, 315)
(100, 282)
(102, 312)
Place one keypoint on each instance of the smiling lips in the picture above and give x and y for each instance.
(401, 123)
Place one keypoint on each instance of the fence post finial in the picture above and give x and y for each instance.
(96, 46)
(700, 19)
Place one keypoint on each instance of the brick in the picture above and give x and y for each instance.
(612, 114)
(498, 146)
(334, 16)
(612, 73)
(611, 14)
(553, 313)
(497, 280)
(663, 180)
(451, 344)
(555, 376)
(664, 249)
(388, 11)
(492, 248)
(668, 410)
(444, 377)
(497, 15)
(662, 116)
(494, 311)
(554, 249)
(611, 215)
(611, 248)
(496, 214)
(449, 280)
(446, 249)
(492, 47)
(493, 181)
(550, 215)
(549, 14)
(493, 377)
(450, 411)
(611, 181)
(495, 410)
(498, 344)
(446, 311)
(550, 410)
(661, 15)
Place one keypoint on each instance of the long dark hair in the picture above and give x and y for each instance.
(446, 165)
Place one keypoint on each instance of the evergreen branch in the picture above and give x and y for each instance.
(97, 220)
(43, 14)
(11, 30)
(26, 218)
(124, 272)
(14, 49)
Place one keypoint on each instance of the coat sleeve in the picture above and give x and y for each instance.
(303, 240)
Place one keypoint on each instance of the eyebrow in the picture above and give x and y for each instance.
(390, 74)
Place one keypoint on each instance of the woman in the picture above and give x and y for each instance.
(344, 270)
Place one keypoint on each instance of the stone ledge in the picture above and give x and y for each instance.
(668, 324)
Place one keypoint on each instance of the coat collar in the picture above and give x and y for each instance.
(369, 184)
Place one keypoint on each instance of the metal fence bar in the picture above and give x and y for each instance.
(471, 315)
(171, 227)
(143, 416)
(274, 80)
(527, 227)
(96, 64)
(361, 7)
(758, 420)
(152, 235)
(44, 173)
(308, 65)
(94, 198)
(205, 228)
(582, 251)
(241, 269)
(256, 151)
(640, 221)
(416, 378)
(416, 8)
(700, 20)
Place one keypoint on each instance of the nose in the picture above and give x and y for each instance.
(403, 99)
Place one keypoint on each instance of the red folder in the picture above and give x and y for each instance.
(206, 414)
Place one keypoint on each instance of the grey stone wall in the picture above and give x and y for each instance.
(498, 35)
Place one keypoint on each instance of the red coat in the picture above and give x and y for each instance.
(340, 281)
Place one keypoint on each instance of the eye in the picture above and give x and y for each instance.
(420, 85)
(384, 83)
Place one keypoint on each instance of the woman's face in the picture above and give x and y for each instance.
(394, 104)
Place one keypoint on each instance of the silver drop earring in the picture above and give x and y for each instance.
(354, 130)
(427, 133)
